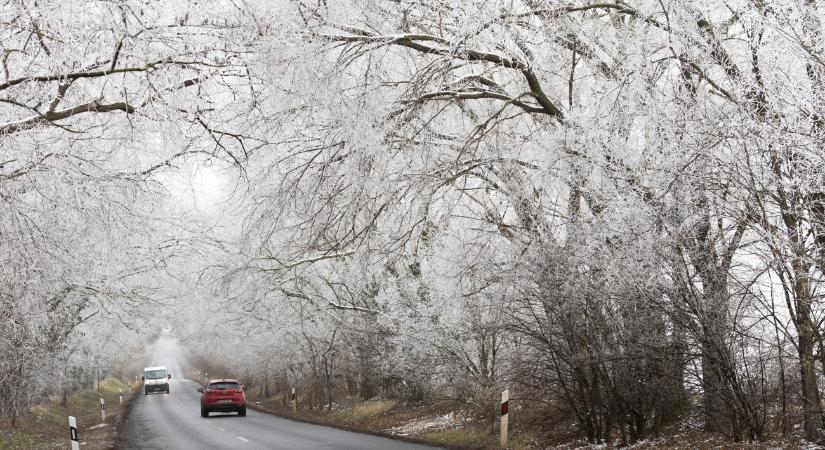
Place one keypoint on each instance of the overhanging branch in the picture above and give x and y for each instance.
(417, 42)
(52, 116)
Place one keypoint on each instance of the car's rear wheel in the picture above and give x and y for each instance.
(242, 412)
(204, 412)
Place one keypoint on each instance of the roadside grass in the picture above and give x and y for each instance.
(526, 441)
(193, 375)
(468, 436)
(364, 411)
(46, 426)
(198, 376)
(378, 416)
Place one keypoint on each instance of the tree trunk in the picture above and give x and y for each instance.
(807, 362)
(715, 352)
(714, 406)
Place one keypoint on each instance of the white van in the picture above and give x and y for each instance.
(155, 379)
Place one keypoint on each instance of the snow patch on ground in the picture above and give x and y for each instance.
(427, 424)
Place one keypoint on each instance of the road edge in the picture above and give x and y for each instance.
(125, 411)
(395, 437)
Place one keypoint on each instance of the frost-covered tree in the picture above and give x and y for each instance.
(96, 100)
(612, 162)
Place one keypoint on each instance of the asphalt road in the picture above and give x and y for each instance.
(173, 421)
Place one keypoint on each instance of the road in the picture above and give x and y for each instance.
(173, 421)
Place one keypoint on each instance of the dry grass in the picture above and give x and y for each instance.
(379, 416)
(46, 426)
(364, 411)
(467, 436)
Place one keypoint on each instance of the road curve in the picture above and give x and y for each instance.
(172, 421)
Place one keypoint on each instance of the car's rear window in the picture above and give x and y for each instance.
(224, 385)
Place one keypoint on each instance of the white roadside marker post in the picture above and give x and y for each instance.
(505, 409)
(294, 403)
(102, 411)
(73, 433)
(120, 392)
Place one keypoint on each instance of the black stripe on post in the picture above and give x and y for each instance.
(73, 433)
(504, 408)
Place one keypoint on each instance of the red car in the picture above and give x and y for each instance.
(222, 395)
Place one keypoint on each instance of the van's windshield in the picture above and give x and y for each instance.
(155, 374)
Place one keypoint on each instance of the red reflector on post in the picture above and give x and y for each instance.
(504, 407)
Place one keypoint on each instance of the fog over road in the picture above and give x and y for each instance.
(161, 421)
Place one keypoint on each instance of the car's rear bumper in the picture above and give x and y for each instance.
(224, 407)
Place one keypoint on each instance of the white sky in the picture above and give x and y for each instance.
(205, 192)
